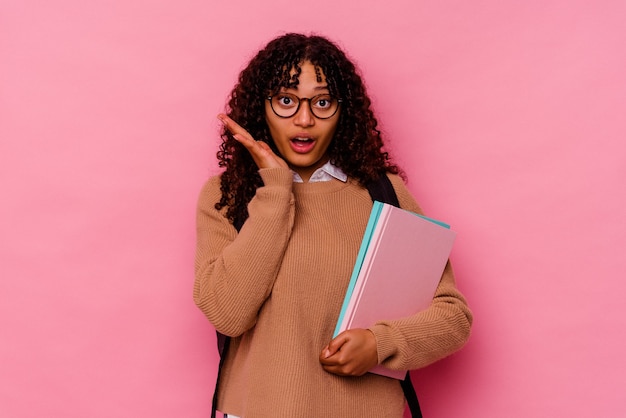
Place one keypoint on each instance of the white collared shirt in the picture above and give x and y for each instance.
(325, 173)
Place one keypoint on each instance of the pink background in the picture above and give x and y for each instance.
(507, 116)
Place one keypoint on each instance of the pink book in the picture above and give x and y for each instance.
(401, 268)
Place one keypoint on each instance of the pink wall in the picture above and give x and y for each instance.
(508, 117)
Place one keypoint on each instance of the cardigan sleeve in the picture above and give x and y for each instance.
(235, 272)
(416, 341)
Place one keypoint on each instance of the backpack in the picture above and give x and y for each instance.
(382, 190)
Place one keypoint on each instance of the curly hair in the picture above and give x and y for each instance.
(357, 146)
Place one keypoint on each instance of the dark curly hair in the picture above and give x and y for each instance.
(357, 146)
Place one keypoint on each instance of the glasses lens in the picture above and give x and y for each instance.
(285, 105)
(323, 106)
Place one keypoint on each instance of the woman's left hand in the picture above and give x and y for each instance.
(351, 353)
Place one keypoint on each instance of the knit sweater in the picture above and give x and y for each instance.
(277, 288)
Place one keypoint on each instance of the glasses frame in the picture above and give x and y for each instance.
(308, 99)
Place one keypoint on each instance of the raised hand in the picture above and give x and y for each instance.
(261, 153)
(351, 353)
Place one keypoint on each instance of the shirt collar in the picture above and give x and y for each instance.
(325, 173)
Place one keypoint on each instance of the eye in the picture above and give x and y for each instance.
(285, 100)
(323, 102)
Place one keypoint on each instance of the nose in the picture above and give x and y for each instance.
(304, 117)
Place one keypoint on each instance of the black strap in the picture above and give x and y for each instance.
(382, 190)
(223, 343)
(411, 396)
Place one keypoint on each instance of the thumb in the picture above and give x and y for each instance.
(335, 345)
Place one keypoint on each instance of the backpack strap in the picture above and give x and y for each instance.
(223, 343)
(411, 396)
(382, 190)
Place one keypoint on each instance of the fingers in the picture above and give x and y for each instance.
(334, 346)
(239, 133)
(234, 128)
(351, 353)
(261, 152)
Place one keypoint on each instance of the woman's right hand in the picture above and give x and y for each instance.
(261, 153)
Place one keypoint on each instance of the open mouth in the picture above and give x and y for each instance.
(302, 144)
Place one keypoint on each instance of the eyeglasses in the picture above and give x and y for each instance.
(285, 105)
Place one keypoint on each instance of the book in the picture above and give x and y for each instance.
(397, 270)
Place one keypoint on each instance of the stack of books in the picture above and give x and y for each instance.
(398, 268)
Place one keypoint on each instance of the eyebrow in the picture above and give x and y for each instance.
(317, 88)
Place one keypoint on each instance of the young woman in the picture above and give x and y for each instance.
(299, 144)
